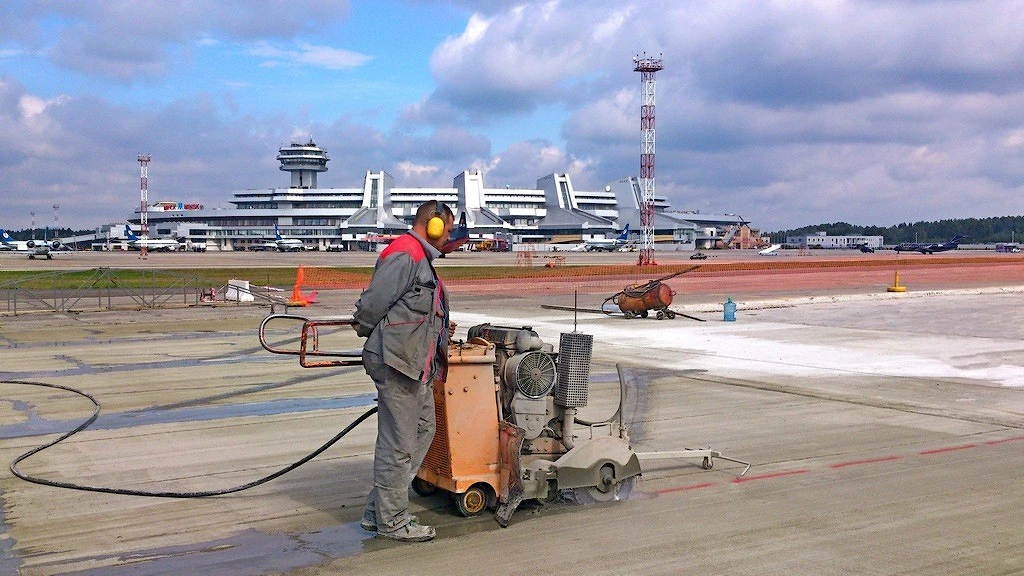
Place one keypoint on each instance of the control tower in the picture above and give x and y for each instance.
(303, 161)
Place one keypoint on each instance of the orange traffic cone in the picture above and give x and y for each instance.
(297, 298)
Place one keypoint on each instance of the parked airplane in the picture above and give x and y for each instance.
(608, 244)
(458, 237)
(287, 244)
(772, 250)
(151, 244)
(7, 244)
(31, 247)
(929, 248)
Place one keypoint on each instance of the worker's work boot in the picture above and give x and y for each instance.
(411, 532)
(369, 521)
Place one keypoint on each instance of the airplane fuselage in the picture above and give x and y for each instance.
(926, 248)
(32, 248)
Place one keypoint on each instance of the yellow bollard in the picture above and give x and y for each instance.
(896, 285)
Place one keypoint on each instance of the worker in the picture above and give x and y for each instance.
(403, 314)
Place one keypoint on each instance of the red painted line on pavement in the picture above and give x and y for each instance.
(949, 449)
(767, 476)
(684, 488)
(994, 442)
(838, 465)
(868, 461)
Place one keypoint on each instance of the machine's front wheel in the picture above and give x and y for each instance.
(472, 502)
(422, 487)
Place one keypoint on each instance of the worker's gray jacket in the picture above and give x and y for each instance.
(404, 311)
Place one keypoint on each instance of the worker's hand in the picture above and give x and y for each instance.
(451, 328)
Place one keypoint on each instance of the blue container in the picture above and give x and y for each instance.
(730, 310)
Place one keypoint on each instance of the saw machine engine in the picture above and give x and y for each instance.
(525, 417)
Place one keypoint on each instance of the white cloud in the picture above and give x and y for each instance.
(331, 58)
(413, 171)
(309, 55)
(788, 113)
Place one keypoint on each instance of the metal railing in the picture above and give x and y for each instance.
(100, 288)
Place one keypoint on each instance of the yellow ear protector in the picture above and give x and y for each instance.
(435, 226)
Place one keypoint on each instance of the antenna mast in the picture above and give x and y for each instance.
(144, 201)
(647, 66)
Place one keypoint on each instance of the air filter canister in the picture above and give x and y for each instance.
(572, 387)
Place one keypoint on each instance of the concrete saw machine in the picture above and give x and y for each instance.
(506, 426)
(506, 420)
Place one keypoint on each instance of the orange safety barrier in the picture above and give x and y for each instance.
(566, 279)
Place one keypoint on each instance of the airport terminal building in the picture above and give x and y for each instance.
(824, 241)
(366, 217)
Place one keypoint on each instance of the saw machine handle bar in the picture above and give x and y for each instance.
(309, 341)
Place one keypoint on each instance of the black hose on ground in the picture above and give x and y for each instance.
(129, 492)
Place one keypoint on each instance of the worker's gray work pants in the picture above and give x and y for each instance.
(405, 428)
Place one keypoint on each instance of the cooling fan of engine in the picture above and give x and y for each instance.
(532, 374)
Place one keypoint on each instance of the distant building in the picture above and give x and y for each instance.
(364, 217)
(823, 240)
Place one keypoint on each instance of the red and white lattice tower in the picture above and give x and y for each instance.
(144, 201)
(647, 67)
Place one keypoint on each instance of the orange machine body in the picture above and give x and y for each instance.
(465, 450)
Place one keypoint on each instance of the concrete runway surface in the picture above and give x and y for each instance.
(886, 435)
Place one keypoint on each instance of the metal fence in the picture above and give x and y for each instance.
(100, 289)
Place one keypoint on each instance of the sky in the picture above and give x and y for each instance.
(787, 113)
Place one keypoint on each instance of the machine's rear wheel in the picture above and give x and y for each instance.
(472, 502)
(422, 487)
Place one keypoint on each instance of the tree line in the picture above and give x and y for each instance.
(977, 230)
(47, 233)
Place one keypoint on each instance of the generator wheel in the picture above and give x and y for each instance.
(472, 502)
(707, 464)
(671, 315)
(661, 314)
(422, 487)
(643, 314)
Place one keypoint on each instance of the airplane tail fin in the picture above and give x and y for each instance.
(128, 232)
(277, 233)
(459, 236)
(461, 230)
(625, 233)
(5, 236)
